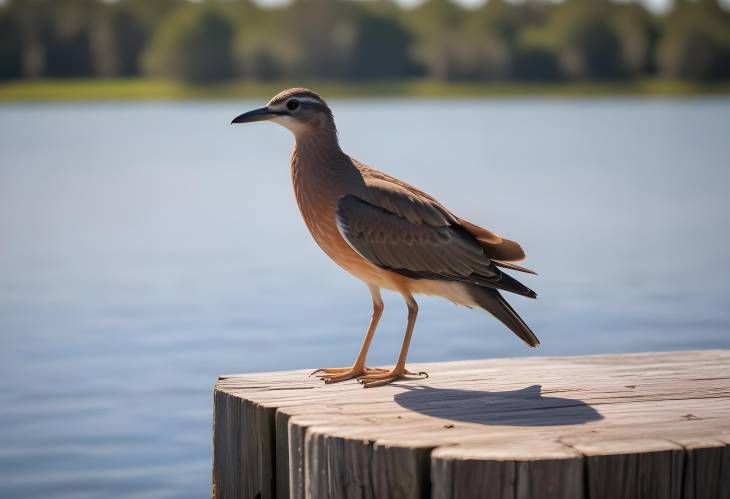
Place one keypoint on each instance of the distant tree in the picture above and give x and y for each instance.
(322, 39)
(210, 40)
(121, 31)
(441, 43)
(193, 44)
(55, 36)
(381, 48)
(535, 63)
(117, 40)
(582, 34)
(321, 36)
(149, 13)
(11, 47)
(637, 35)
(68, 51)
(508, 22)
(696, 42)
(265, 48)
(262, 54)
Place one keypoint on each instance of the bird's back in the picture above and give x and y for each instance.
(389, 189)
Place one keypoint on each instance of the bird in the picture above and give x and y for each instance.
(389, 234)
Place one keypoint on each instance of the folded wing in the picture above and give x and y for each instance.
(418, 238)
(418, 207)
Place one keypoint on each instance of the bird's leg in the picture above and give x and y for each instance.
(334, 374)
(370, 380)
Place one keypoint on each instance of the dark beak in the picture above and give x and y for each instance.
(261, 114)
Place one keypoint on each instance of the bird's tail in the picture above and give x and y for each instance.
(493, 302)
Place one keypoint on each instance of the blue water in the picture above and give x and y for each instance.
(146, 248)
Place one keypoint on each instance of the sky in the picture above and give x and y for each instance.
(657, 6)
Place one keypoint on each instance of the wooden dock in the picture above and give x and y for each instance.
(654, 425)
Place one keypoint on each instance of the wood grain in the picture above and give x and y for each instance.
(630, 425)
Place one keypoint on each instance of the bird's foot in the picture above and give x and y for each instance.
(380, 379)
(335, 374)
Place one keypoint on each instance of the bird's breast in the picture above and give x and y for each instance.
(317, 199)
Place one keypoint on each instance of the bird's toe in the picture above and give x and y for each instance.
(383, 378)
(335, 374)
(323, 371)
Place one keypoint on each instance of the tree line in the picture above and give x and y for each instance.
(346, 40)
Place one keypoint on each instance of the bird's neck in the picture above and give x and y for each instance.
(321, 172)
(318, 146)
(318, 156)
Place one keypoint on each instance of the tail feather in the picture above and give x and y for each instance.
(505, 282)
(492, 301)
(512, 266)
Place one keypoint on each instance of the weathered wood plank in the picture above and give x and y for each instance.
(635, 425)
(633, 469)
(704, 472)
(508, 470)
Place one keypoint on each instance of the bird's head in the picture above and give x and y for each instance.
(298, 109)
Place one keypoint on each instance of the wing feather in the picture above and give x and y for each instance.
(418, 207)
(496, 247)
(415, 248)
(404, 200)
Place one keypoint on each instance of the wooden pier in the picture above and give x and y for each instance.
(654, 425)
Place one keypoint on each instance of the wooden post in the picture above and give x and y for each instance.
(652, 425)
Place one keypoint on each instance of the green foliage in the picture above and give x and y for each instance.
(441, 44)
(322, 39)
(637, 35)
(584, 40)
(11, 46)
(260, 51)
(696, 43)
(192, 44)
(348, 40)
(55, 36)
(380, 50)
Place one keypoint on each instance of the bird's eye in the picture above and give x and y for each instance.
(292, 105)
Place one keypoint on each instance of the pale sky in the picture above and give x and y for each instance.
(656, 6)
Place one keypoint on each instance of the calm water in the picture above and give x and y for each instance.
(146, 248)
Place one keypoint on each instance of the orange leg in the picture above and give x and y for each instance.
(335, 374)
(371, 380)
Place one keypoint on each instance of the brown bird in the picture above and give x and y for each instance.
(389, 234)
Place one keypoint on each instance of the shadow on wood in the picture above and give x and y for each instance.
(524, 407)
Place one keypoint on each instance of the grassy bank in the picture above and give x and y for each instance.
(144, 89)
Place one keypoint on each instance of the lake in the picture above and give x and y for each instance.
(146, 248)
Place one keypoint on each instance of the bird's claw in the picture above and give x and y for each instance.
(373, 380)
(335, 374)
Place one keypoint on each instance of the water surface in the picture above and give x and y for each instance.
(147, 248)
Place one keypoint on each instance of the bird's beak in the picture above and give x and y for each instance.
(261, 114)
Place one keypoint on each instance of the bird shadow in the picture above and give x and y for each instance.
(523, 407)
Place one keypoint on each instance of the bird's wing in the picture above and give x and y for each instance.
(405, 201)
(396, 236)
(417, 207)
(497, 248)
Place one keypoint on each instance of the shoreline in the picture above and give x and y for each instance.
(148, 89)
